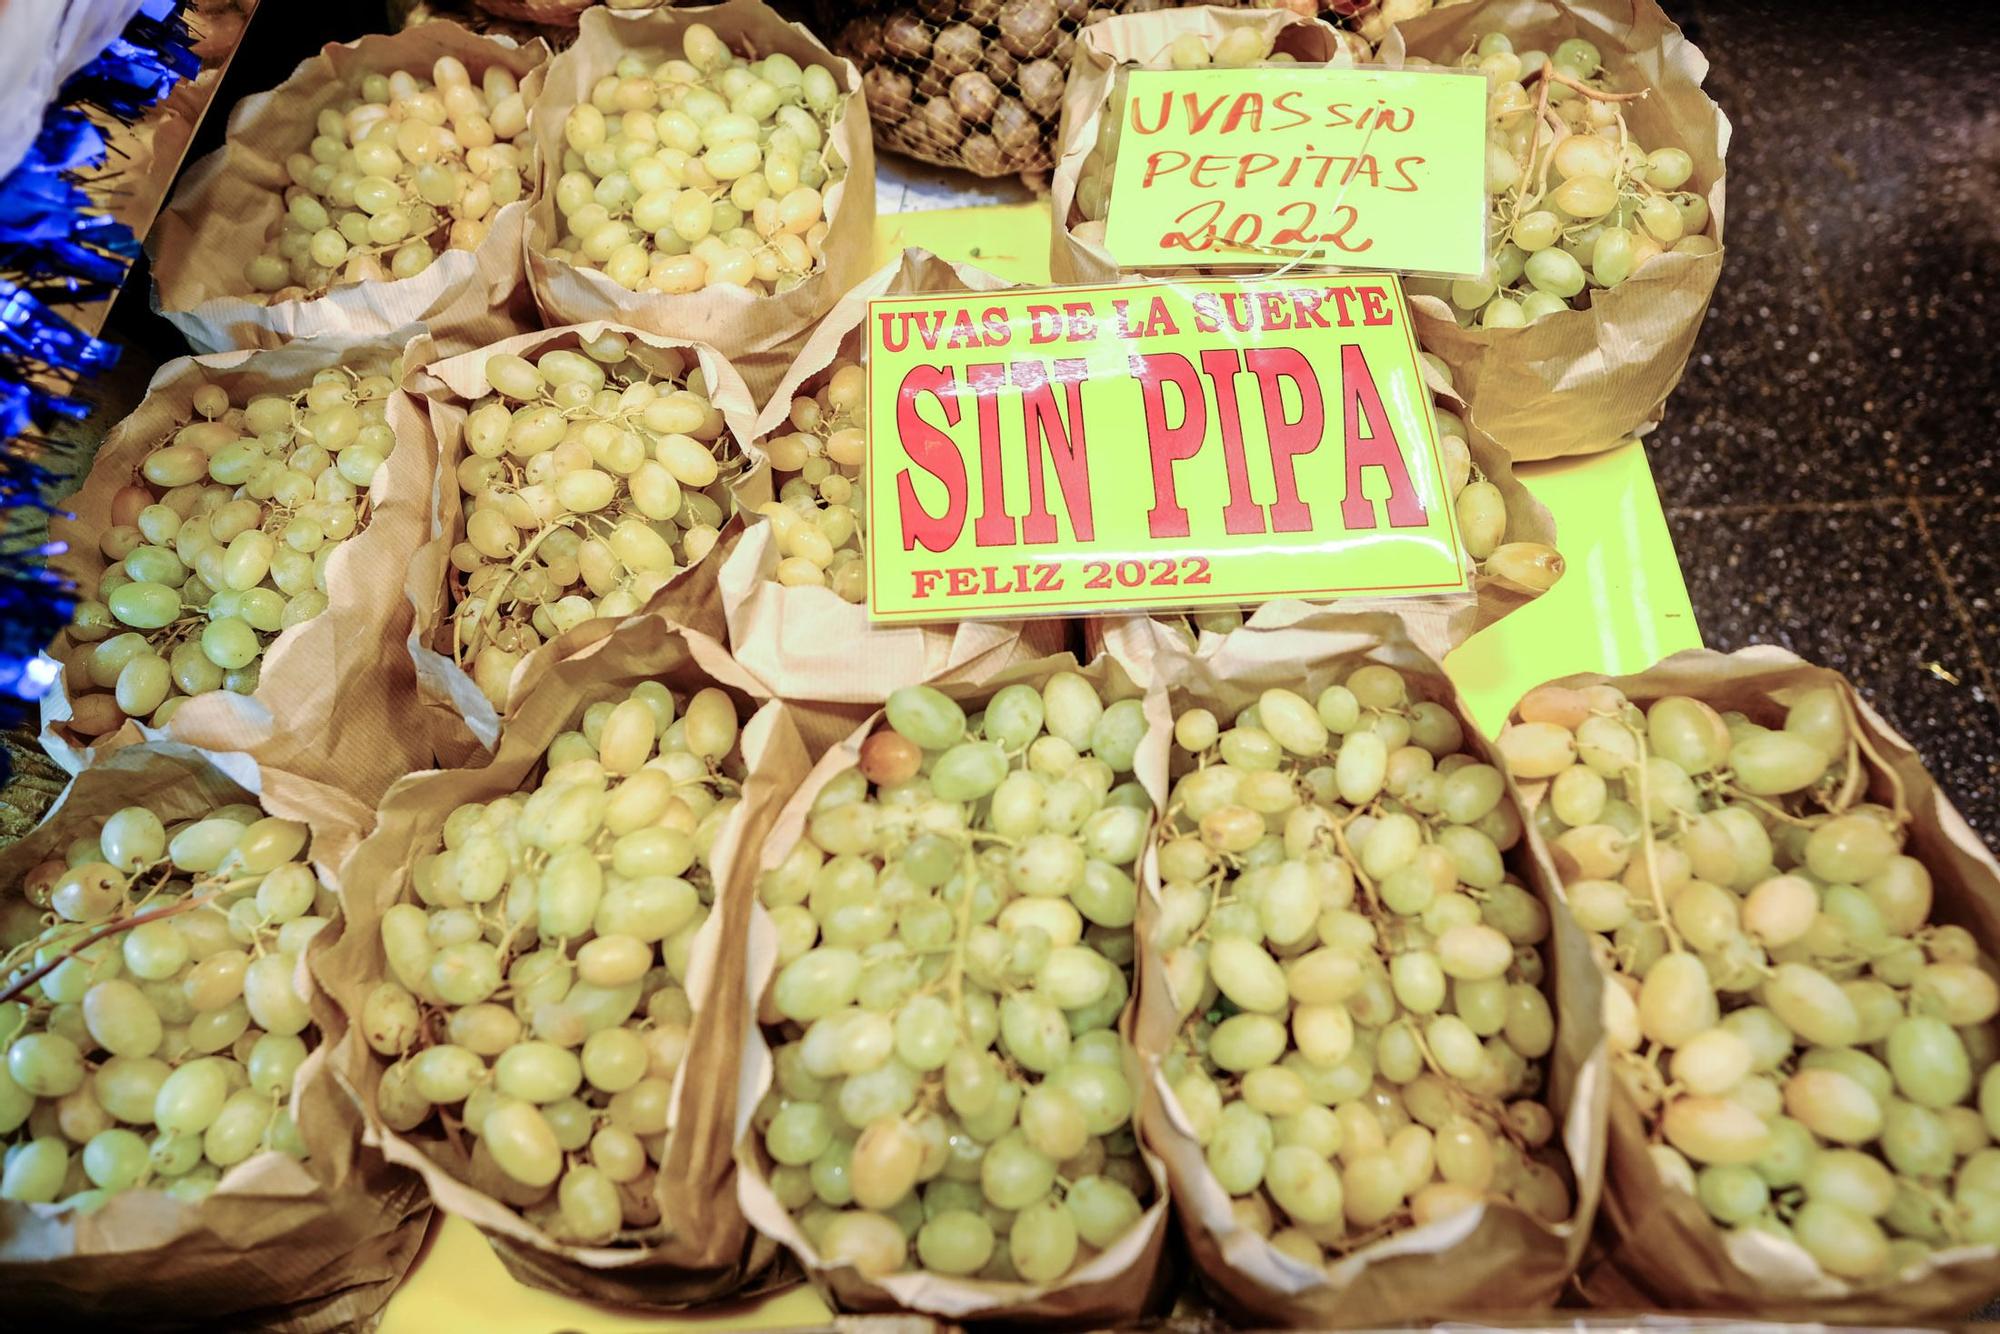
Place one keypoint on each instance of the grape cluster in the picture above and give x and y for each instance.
(154, 1018)
(701, 170)
(1577, 205)
(1359, 973)
(817, 517)
(1238, 48)
(955, 946)
(402, 170)
(1817, 1054)
(593, 476)
(221, 540)
(537, 990)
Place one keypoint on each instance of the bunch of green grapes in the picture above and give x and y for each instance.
(1577, 204)
(817, 517)
(701, 170)
(1236, 49)
(396, 173)
(1817, 1054)
(1358, 972)
(1481, 510)
(155, 1013)
(221, 540)
(955, 935)
(592, 477)
(537, 991)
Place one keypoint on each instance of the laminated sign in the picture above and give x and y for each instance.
(1384, 169)
(1175, 444)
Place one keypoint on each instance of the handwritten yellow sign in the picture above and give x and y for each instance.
(1084, 449)
(1354, 167)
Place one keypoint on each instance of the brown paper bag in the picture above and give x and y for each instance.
(282, 1244)
(331, 694)
(706, 1252)
(810, 643)
(1142, 39)
(758, 334)
(1436, 625)
(1470, 1266)
(1661, 1246)
(228, 208)
(1115, 1287)
(459, 717)
(1579, 381)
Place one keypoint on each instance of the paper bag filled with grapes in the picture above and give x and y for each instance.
(1509, 537)
(582, 471)
(1798, 934)
(179, 1154)
(384, 184)
(706, 173)
(237, 550)
(794, 589)
(1374, 1066)
(1604, 167)
(1093, 105)
(541, 982)
(940, 1105)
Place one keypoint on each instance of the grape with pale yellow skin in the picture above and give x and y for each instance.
(592, 476)
(954, 953)
(1814, 1051)
(396, 173)
(223, 539)
(817, 518)
(703, 169)
(163, 1053)
(536, 990)
(1577, 204)
(1358, 973)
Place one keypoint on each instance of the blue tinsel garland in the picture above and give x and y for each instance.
(57, 246)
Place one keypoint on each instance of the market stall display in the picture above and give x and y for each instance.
(948, 1100)
(238, 541)
(1575, 380)
(1796, 929)
(179, 1137)
(442, 193)
(1366, 1019)
(541, 991)
(580, 470)
(685, 188)
(754, 929)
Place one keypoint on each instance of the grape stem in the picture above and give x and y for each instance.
(1859, 736)
(109, 929)
(1651, 846)
(1548, 73)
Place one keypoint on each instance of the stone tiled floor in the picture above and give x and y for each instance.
(1829, 466)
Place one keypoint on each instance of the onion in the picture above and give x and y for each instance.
(887, 91)
(905, 35)
(982, 155)
(1027, 27)
(973, 97)
(957, 49)
(1017, 132)
(1041, 84)
(937, 125)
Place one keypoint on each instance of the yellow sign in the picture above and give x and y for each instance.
(1356, 167)
(1083, 449)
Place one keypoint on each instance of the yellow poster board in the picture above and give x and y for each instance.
(1374, 168)
(1052, 451)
